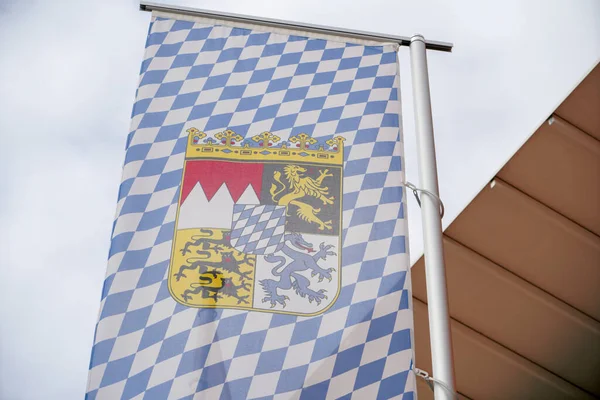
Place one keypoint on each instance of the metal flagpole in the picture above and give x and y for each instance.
(435, 274)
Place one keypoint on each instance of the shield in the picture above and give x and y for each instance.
(258, 223)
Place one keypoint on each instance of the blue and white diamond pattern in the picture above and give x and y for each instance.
(217, 77)
(258, 229)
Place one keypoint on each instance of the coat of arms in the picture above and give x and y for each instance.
(259, 223)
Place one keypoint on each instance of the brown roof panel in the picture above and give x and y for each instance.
(560, 167)
(519, 316)
(582, 107)
(535, 243)
(486, 370)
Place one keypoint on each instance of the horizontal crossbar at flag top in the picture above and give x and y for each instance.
(238, 19)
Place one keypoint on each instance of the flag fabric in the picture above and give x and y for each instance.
(259, 246)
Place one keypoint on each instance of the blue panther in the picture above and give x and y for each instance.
(289, 276)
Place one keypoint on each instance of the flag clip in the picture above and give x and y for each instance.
(416, 191)
(422, 374)
(430, 382)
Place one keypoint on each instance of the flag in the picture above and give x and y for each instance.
(259, 246)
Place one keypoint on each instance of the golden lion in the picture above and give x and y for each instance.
(301, 186)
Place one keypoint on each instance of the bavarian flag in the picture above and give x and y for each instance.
(259, 248)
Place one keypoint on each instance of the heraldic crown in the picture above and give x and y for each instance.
(265, 146)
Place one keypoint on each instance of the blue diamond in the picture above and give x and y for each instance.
(304, 154)
(265, 152)
(226, 151)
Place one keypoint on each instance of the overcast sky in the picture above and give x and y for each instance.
(68, 74)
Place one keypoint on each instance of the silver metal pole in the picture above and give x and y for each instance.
(435, 274)
(146, 5)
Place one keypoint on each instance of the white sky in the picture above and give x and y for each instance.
(68, 74)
